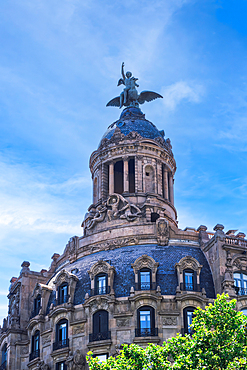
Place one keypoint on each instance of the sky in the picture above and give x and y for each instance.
(60, 62)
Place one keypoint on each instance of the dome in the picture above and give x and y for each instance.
(132, 119)
(122, 259)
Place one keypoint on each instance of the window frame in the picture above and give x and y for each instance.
(4, 353)
(96, 285)
(185, 315)
(146, 332)
(144, 269)
(240, 290)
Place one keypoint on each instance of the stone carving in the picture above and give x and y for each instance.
(14, 309)
(188, 262)
(24, 350)
(47, 339)
(76, 361)
(78, 329)
(170, 321)
(129, 96)
(145, 261)
(240, 263)
(123, 322)
(98, 304)
(115, 207)
(42, 366)
(162, 231)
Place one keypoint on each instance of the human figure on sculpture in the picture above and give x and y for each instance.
(129, 82)
(113, 212)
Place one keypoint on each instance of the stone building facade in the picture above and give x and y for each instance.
(134, 276)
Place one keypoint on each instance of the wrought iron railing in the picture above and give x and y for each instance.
(34, 354)
(240, 291)
(146, 332)
(101, 290)
(185, 287)
(60, 344)
(3, 366)
(35, 312)
(99, 336)
(145, 286)
(61, 300)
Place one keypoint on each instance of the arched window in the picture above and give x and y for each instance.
(36, 305)
(145, 279)
(4, 357)
(240, 283)
(146, 322)
(101, 286)
(35, 346)
(62, 340)
(63, 293)
(188, 316)
(118, 177)
(131, 167)
(100, 327)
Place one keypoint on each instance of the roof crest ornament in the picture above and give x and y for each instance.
(129, 97)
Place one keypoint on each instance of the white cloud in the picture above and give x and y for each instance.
(182, 90)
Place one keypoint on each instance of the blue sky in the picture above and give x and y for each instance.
(59, 65)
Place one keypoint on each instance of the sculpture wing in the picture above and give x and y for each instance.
(148, 96)
(114, 102)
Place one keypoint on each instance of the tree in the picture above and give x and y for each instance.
(218, 341)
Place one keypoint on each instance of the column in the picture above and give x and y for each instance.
(126, 174)
(111, 178)
(171, 189)
(166, 196)
(159, 177)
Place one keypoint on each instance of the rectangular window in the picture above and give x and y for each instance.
(189, 320)
(145, 321)
(188, 276)
(145, 280)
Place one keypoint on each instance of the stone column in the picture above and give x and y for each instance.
(138, 174)
(126, 174)
(159, 177)
(171, 189)
(111, 178)
(166, 196)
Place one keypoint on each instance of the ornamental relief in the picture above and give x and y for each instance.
(98, 304)
(78, 329)
(115, 207)
(240, 263)
(46, 339)
(169, 321)
(145, 261)
(123, 322)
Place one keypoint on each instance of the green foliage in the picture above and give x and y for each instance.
(218, 342)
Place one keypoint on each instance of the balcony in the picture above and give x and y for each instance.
(61, 344)
(35, 312)
(101, 290)
(3, 366)
(34, 355)
(187, 287)
(146, 332)
(240, 291)
(145, 286)
(61, 300)
(99, 336)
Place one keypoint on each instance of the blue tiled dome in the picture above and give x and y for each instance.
(132, 119)
(124, 279)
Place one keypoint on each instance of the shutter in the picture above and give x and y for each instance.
(96, 328)
(103, 321)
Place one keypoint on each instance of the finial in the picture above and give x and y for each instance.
(129, 97)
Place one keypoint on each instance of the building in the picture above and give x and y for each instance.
(134, 276)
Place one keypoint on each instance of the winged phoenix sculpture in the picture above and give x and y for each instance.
(129, 97)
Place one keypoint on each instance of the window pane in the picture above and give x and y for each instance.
(189, 320)
(236, 275)
(102, 357)
(145, 276)
(145, 322)
(244, 310)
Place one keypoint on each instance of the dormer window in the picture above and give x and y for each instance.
(63, 293)
(145, 279)
(189, 280)
(102, 276)
(36, 305)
